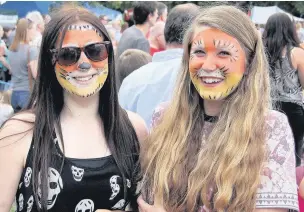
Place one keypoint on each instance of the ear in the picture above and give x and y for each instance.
(151, 15)
(161, 18)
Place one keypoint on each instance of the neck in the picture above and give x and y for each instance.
(173, 46)
(144, 28)
(153, 43)
(80, 107)
(213, 107)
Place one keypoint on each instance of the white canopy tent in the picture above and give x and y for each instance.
(260, 15)
(8, 20)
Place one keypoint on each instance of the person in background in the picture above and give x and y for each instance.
(300, 32)
(144, 15)
(46, 18)
(124, 26)
(38, 24)
(286, 73)
(7, 31)
(157, 38)
(111, 33)
(153, 83)
(162, 12)
(9, 35)
(6, 110)
(129, 61)
(218, 145)
(4, 65)
(22, 57)
(116, 25)
(104, 19)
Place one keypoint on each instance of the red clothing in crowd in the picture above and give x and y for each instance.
(154, 50)
(300, 176)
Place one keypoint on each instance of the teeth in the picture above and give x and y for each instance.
(83, 78)
(211, 80)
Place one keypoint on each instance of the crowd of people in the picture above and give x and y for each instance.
(187, 110)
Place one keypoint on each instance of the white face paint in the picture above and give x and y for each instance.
(27, 176)
(114, 186)
(85, 205)
(30, 203)
(119, 205)
(77, 173)
(55, 186)
(21, 201)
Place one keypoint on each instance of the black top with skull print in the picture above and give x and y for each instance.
(84, 185)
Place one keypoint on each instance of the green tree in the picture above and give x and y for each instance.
(294, 7)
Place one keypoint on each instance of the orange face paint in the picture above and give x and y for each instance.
(217, 63)
(82, 82)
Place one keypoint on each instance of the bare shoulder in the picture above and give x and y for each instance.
(139, 125)
(298, 51)
(17, 129)
(298, 54)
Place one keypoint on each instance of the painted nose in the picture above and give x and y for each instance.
(84, 66)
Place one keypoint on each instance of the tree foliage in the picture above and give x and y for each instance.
(294, 7)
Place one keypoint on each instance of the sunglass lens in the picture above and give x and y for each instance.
(68, 56)
(96, 52)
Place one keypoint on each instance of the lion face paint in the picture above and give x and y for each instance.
(217, 63)
(85, 77)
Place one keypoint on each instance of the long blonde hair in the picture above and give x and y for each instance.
(21, 33)
(177, 171)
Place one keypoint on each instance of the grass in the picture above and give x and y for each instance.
(13, 209)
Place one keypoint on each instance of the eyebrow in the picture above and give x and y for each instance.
(224, 44)
(198, 43)
(70, 45)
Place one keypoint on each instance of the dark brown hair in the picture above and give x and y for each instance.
(47, 102)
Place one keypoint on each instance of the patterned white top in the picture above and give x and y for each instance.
(278, 188)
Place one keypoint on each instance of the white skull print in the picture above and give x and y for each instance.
(27, 176)
(77, 173)
(21, 201)
(30, 203)
(114, 186)
(119, 204)
(85, 205)
(55, 186)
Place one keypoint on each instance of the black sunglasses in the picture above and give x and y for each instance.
(68, 56)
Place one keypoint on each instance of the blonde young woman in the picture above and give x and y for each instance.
(22, 57)
(218, 146)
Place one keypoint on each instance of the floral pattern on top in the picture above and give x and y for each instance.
(278, 188)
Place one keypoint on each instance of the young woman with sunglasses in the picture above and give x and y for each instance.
(74, 149)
